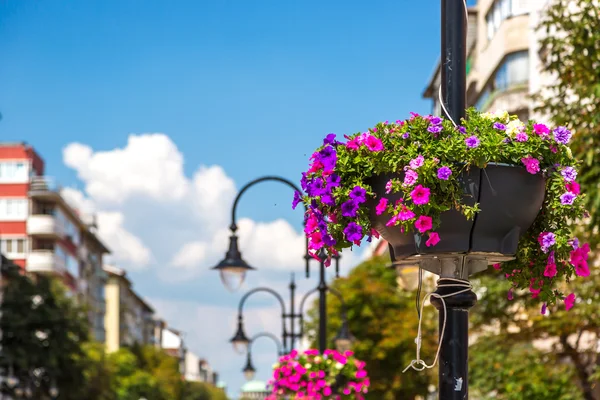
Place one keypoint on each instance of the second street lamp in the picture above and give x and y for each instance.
(233, 267)
(241, 342)
(249, 370)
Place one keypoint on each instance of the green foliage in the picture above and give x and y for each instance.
(571, 55)
(384, 321)
(414, 154)
(518, 372)
(43, 331)
(202, 391)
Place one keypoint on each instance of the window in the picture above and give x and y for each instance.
(502, 10)
(513, 71)
(14, 171)
(13, 246)
(13, 209)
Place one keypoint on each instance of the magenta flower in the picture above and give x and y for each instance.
(434, 238)
(435, 121)
(405, 214)
(380, 209)
(550, 270)
(353, 232)
(329, 139)
(541, 129)
(373, 143)
(578, 258)
(562, 135)
(311, 224)
(420, 195)
(417, 162)
(569, 301)
(444, 173)
(472, 142)
(423, 223)
(573, 187)
(509, 295)
(315, 241)
(543, 310)
(388, 187)
(496, 266)
(567, 198)
(569, 173)
(532, 165)
(410, 177)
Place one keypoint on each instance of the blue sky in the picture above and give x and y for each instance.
(250, 86)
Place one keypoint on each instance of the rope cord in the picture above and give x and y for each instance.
(418, 364)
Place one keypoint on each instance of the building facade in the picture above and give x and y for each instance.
(128, 318)
(41, 233)
(498, 57)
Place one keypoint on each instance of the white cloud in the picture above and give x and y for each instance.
(150, 165)
(124, 245)
(190, 255)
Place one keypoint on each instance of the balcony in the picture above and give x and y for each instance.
(45, 261)
(43, 225)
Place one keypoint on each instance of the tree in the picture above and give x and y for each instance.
(570, 52)
(42, 335)
(384, 321)
(202, 391)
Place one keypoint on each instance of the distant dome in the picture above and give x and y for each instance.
(254, 387)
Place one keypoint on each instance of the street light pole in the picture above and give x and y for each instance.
(233, 267)
(453, 302)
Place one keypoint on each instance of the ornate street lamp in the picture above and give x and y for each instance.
(233, 268)
(249, 370)
(240, 341)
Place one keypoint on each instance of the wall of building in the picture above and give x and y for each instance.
(112, 319)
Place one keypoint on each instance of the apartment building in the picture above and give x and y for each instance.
(199, 370)
(41, 233)
(173, 344)
(498, 58)
(128, 318)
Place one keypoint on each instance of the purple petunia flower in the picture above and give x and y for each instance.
(303, 181)
(435, 128)
(353, 232)
(562, 135)
(567, 198)
(521, 137)
(358, 194)
(569, 173)
(499, 126)
(435, 120)
(328, 199)
(349, 208)
(297, 199)
(328, 157)
(405, 135)
(316, 187)
(329, 139)
(444, 173)
(462, 130)
(547, 240)
(333, 180)
(472, 141)
(329, 241)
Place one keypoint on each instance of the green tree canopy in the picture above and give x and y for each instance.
(384, 321)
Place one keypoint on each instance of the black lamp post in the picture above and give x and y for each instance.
(241, 342)
(233, 268)
(249, 370)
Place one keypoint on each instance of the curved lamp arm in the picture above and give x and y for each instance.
(269, 335)
(279, 298)
(233, 226)
(307, 295)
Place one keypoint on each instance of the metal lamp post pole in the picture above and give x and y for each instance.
(322, 305)
(453, 358)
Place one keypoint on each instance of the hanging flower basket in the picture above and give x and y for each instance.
(310, 375)
(493, 186)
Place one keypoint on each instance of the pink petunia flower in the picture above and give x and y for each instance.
(423, 223)
(569, 301)
(434, 238)
(380, 209)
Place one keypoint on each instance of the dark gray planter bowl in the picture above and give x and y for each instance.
(509, 197)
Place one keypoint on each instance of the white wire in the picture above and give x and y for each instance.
(418, 364)
(440, 88)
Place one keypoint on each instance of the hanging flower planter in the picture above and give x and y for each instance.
(492, 187)
(309, 375)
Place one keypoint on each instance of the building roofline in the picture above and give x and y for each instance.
(121, 273)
